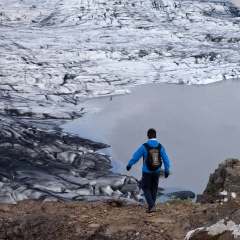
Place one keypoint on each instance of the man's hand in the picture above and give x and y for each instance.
(166, 174)
(128, 168)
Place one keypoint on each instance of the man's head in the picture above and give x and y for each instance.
(151, 133)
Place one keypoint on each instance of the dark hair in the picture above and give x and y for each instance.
(151, 133)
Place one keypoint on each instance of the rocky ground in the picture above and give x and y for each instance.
(54, 55)
(107, 220)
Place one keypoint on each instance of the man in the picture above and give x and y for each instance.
(150, 178)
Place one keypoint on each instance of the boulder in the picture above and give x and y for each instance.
(224, 188)
(223, 184)
(227, 228)
(131, 188)
(183, 195)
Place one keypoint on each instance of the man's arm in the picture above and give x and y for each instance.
(136, 157)
(165, 160)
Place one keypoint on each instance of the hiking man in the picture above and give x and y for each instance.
(151, 167)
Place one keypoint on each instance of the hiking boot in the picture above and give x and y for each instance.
(153, 209)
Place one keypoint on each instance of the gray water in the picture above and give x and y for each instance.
(198, 125)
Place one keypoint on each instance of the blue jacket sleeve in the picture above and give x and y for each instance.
(136, 156)
(165, 159)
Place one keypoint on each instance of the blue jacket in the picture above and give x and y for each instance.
(143, 151)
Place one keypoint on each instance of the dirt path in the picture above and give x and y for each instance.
(104, 220)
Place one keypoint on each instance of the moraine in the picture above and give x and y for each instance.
(54, 55)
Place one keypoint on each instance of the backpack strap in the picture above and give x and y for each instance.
(149, 148)
(159, 147)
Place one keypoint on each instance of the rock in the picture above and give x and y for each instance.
(84, 191)
(4, 207)
(117, 194)
(6, 196)
(106, 191)
(115, 181)
(131, 188)
(159, 220)
(37, 211)
(178, 232)
(115, 228)
(94, 225)
(224, 229)
(223, 184)
(138, 198)
(226, 225)
(181, 194)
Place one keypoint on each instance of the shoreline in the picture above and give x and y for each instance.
(116, 112)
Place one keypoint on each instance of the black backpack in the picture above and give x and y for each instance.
(154, 158)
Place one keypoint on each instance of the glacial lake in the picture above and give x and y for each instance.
(199, 125)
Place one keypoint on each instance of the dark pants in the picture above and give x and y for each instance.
(150, 187)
